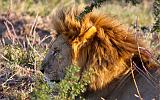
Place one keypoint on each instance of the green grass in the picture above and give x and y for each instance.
(41, 7)
(128, 14)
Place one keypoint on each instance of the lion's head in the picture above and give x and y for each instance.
(98, 42)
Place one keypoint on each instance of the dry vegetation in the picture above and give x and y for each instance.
(25, 30)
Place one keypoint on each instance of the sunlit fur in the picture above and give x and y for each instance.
(101, 43)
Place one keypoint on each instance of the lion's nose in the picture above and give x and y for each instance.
(43, 65)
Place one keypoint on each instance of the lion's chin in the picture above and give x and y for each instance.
(49, 79)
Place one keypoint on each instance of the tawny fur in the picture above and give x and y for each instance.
(101, 43)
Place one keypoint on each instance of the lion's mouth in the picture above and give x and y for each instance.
(52, 76)
(48, 80)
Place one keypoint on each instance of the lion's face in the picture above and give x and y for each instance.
(57, 59)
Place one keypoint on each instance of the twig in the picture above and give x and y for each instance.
(14, 32)
(2, 41)
(45, 38)
(33, 25)
(9, 35)
(32, 47)
(89, 8)
(135, 81)
(148, 73)
(5, 58)
(10, 78)
(141, 72)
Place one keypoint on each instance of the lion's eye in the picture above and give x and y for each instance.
(55, 51)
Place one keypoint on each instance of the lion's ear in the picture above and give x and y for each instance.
(80, 41)
(83, 38)
(89, 34)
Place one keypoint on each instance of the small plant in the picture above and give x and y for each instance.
(72, 86)
(14, 54)
(87, 9)
(41, 91)
(156, 13)
(22, 64)
(69, 88)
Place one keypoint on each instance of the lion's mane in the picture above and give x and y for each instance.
(101, 43)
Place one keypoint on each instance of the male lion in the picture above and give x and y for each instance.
(104, 45)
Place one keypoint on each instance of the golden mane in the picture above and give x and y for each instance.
(101, 43)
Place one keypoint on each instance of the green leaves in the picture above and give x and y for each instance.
(41, 91)
(72, 86)
(88, 9)
(156, 13)
(14, 54)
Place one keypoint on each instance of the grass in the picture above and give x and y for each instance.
(20, 77)
(127, 14)
(31, 7)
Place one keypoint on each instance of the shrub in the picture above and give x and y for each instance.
(72, 86)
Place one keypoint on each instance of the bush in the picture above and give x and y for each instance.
(72, 86)
(41, 91)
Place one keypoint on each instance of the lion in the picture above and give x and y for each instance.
(103, 44)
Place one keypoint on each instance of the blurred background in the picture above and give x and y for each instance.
(125, 10)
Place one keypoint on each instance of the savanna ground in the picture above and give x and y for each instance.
(25, 34)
